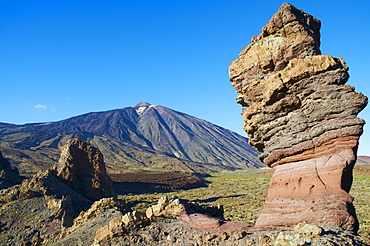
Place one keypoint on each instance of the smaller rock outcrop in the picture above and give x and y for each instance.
(8, 176)
(57, 204)
(81, 166)
(66, 202)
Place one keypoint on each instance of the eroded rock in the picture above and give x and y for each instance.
(107, 211)
(169, 207)
(97, 208)
(49, 208)
(8, 175)
(301, 115)
(81, 167)
(120, 225)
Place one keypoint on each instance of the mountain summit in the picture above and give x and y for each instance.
(142, 137)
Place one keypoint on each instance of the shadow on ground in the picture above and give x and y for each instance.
(213, 199)
(156, 182)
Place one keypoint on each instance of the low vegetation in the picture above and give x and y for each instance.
(242, 194)
(361, 192)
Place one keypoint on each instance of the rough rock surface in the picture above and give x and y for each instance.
(199, 217)
(168, 231)
(8, 176)
(84, 226)
(81, 167)
(162, 228)
(134, 228)
(301, 115)
(38, 209)
(46, 208)
(67, 202)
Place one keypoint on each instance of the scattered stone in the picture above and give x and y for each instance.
(300, 114)
(113, 229)
(224, 236)
(209, 237)
(281, 239)
(101, 234)
(239, 235)
(308, 230)
(264, 240)
(115, 226)
(171, 239)
(36, 240)
(135, 218)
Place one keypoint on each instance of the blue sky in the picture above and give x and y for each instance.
(64, 58)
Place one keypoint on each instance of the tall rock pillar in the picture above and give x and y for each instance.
(81, 166)
(301, 115)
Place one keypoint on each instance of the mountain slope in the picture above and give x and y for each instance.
(140, 137)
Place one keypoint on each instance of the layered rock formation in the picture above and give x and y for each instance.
(81, 167)
(301, 115)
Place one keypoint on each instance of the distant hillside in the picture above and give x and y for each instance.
(140, 137)
(363, 159)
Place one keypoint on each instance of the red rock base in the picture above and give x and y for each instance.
(204, 222)
(314, 191)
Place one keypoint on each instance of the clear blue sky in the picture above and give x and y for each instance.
(59, 59)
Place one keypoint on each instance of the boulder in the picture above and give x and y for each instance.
(119, 225)
(82, 168)
(97, 208)
(308, 230)
(299, 112)
(169, 207)
(134, 218)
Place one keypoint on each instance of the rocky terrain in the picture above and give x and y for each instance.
(301, 115)
(43, 206)
(142, 137)
(48, 209)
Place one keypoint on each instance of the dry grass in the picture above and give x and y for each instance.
(242, 194)
(361, 192)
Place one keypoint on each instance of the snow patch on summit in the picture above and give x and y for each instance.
(142, 109)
